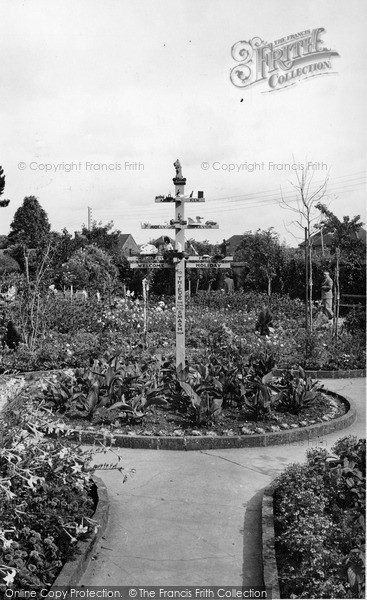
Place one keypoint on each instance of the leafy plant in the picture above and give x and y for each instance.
(296, 391)
(206, 406)
(319, 512)
(258, 401)
(205, 393)
(109, 389)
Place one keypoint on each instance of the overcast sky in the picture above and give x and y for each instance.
(147, 82)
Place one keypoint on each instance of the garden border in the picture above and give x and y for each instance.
(340, 374)
(285, 437)
(73, 570)
(270, 567)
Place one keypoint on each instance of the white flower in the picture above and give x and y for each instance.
(79, 529)
(9, 578)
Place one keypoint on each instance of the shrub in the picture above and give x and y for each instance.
(47, 497)
(319, 522)
(355, 321)
(45, 502)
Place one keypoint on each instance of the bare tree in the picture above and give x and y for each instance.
(308, 194)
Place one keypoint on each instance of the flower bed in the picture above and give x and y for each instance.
(120, 401)
(46, 499)
(75, 333)
(319, 510)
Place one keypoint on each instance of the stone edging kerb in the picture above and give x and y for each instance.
(73, 570)
(270, 568)
(352, 374)
(286, 437)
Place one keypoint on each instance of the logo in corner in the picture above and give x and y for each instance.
(282, 63)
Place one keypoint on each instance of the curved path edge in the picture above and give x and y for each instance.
(73, 570)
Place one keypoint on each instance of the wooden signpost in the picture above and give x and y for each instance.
(180, 224)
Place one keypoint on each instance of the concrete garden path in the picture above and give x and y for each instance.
(194, 518)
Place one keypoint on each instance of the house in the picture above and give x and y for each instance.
(124, 244)
(322, 242)
(127, 245)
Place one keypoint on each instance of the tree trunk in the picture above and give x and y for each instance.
(311, 281)
(306, 280)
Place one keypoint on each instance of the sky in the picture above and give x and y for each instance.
(98, 99)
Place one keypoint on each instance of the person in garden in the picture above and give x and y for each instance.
(229, 284)
(327, 295)
(223, 248)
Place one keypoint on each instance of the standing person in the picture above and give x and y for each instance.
(229, 284)
(327, 295)
(223, 248)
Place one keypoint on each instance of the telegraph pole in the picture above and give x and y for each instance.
(89, 218)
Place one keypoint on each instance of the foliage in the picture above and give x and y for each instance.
(90, 268)
(264, 257)
(343, 233)
(30, 225)
(257, 398)
(45, 500)
(221, 335)
(319, 519)
(264, 323)
(355, 321)
(113, 388)
(296, 391)
(204, 391)
(3, 203)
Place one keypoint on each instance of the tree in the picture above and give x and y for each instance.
(308, 195)
(264, 257)
(204, 279)
(90, 268)
(29, 230)
(30, 226)
(103, 237)
(2, 187)
(343, 232)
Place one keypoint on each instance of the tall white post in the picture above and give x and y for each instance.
(180, 277)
